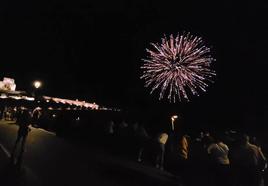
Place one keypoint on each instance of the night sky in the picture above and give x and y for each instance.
(92, 50)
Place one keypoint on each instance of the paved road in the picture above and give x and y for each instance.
(51, 160)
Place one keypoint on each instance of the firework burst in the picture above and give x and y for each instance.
(177, 66)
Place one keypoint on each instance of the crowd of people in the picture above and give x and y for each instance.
(213, 159)
(209, 158)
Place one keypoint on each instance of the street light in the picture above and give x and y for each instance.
(37, 84)
(36, 88)
(173, 118)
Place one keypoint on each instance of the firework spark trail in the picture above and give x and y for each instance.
(178, 65)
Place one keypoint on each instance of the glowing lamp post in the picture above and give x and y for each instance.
(37, 85)
(173, 118)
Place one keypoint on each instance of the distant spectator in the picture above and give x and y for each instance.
(218, 153)
(109, 128)
(23, 118)
(160, 151)
(181, 164)
(199, 160)
(247, 161)
(143, 140)
(200, 137)
(183, 147)
(207, 141)
(123, 129)
(36, 116)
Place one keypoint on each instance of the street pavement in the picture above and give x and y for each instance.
(51, 160)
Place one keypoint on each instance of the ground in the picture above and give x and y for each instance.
(52, 160)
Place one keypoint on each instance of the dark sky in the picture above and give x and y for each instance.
(92, 50)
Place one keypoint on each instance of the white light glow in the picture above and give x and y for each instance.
(37, 84)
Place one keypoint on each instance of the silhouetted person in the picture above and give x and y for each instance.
(219, 159)
(180, 164)
(123, 129)
(109, 133)
(199, 160)
(143, 139)
(109, 128)
(247, 161)
(36, 116)
(160, 149)
(23, 118)
(2, 109)
(183, 147)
